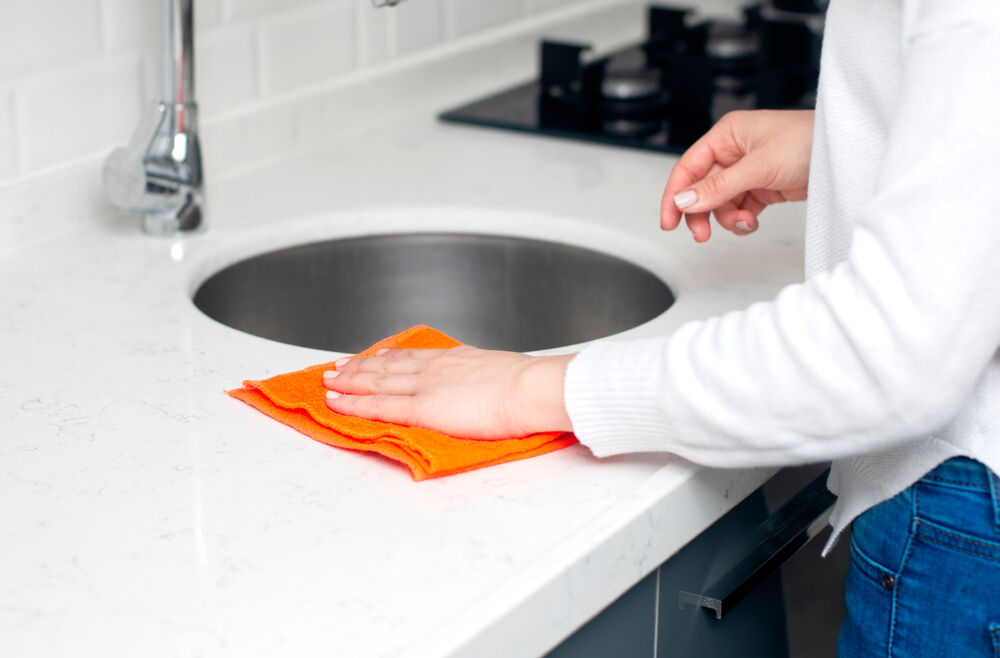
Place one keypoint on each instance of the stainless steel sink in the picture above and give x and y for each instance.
(496, 292)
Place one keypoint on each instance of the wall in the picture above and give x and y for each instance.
(75, 74)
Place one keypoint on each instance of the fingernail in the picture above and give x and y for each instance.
(340, 363)
(381, 351)
(743, 226)
(332, 395)
(330, 374)
(685, 199)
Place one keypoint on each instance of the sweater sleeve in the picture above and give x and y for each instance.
(885, 347)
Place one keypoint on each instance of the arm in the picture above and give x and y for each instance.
(887, 346)
(747, 161)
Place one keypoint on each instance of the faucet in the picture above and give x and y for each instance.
(159, 172)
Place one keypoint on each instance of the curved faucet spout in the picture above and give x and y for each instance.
(159, 172)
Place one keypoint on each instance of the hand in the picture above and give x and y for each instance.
(747, 161)
(463, 391)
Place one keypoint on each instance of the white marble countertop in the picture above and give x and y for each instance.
(145, 512)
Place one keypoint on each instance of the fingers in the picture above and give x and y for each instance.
(725, 192)
(389, 373)
(699, 225)
(377, 388)
(714, 176)
(370, 383)
(695, 164)
(740, 214)
(745, 219)
(386, 408)
(681, 176)
(389, 361)
(722, 186)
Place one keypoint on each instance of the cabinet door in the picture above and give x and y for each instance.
(648, 621)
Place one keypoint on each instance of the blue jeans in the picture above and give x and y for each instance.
(924, 578)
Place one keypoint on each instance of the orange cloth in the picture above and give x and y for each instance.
(298, 399)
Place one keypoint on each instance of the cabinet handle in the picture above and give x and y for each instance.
(778, 538)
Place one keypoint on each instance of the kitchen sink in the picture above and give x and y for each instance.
(496, 292)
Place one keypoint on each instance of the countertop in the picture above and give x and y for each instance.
(144, 512)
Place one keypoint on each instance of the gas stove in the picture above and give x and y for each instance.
(665, 92)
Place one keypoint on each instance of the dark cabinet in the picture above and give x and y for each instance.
(649, 621)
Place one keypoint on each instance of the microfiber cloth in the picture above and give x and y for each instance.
(298, 399)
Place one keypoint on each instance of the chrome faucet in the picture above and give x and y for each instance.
(159, 172)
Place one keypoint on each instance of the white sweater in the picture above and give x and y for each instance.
(886, 359)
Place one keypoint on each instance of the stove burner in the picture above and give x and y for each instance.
(633, 94)
(636, 85)
(730, 41)
(732, 84)
(631, 128)
(664, 93)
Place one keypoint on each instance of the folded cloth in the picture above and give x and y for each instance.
(298, 399)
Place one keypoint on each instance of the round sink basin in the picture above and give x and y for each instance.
(490, 291)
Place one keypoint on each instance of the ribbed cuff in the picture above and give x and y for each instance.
(612, 396)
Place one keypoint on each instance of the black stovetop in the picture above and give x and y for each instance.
(664, 93)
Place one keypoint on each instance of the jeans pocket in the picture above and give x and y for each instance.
(995, 636)
(867, 627)
(958, 517)
(870, 567)
(961, 495)
(881, 535)
(952, 540)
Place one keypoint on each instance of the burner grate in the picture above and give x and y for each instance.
(664, 93)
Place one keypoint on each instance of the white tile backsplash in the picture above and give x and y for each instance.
(416, 25)
(129, 25)
(40, 33)
(306, 47)
(372, 35)
(226, 68)
(207, 13)
(74, 73)
(544, 5)
(469, 16)
(240, 9)
(8, 148)
(77, 110)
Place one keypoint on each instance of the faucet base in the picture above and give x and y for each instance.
(167, 223)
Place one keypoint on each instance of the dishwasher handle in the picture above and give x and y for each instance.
(779, 537)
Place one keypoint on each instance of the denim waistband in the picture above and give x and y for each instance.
(963, 471)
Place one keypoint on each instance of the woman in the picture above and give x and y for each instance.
(885, 359)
